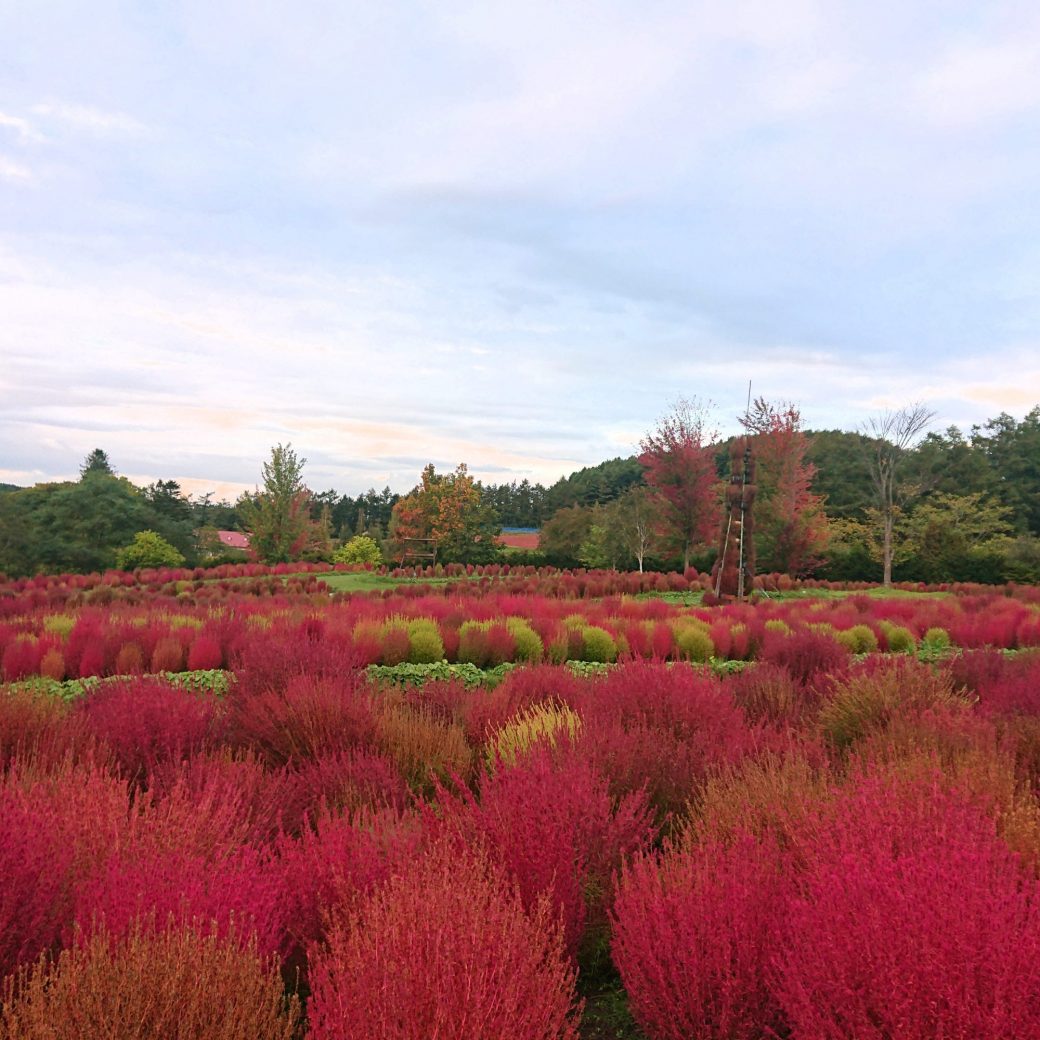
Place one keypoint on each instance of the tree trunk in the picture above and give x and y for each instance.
(886, 553)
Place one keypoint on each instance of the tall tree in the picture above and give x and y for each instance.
(891, 436)
(447, 512)
(679, 465)
(97, 463)
(790, 525)
(278, 517)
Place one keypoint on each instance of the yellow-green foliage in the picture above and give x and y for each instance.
(62, 624)
(778, 626)
(261, 621)
(936, 639)
(859, 639)
(424, 640)
(529, 646)
(548, 722)
(900, 640)
(598, 645)
(693, 640)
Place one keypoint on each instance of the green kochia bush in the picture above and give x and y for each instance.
(424, 638)
(598, 645)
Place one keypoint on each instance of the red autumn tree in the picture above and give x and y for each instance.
(790, 525)
(679, 464)
(447, 511)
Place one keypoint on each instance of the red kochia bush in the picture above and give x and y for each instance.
(551, 822)
(805, 654)
(150, 985)
(149, 721)
(444, 949)
(55, 832)
(693, 933)
(649, 724)
(306, 717)
(913, 919)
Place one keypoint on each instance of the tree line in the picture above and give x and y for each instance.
(893, 500)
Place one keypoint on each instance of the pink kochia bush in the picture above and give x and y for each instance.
(647, 724)
(551, 823)
(443, 949)
(693, 933)
(56, 831)
(146, 722)
(912, 919)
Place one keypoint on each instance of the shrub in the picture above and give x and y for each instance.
(935, 640)
(868, 698)
(424, 641)
(806, 654)
(598, 645)
(912, 919)
(205, 654)
(422, 746)
(168, 656)
(900, 640)
(552, 824)
(130, 660)
(529, 646)
(443, 949)
(148, 721)
(545, 723)
(694, 643)
(767, 693)
(859, 639)
(647, 724)
(311, 715)
(148, 549)
(55, 832)
(146, 986)
(693, 934)
(360, 549)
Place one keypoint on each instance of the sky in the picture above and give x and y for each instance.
(510, 235)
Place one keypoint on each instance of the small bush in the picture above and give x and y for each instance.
(529, 646)
(693, 934)
(150, 985)
(444, 949)
(694, 643)
(360, 549)
(546, 723)
(935, 640)
(425, 643)
(859, 639)
(598, 645)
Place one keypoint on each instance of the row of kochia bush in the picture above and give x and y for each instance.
(488, 630)
(252, 579)
(819, 849)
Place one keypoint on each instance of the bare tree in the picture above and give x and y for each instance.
(891, 435)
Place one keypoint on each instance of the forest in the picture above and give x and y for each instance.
(966, 507)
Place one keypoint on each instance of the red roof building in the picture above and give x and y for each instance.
(233, 539)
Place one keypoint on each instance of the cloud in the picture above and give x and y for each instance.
(23, 129)
(89, 119)
(14, 171)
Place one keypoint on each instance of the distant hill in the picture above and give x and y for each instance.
(10, 487)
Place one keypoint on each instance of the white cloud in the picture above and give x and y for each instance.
(24, 130)
(14, 171)
(87, 118)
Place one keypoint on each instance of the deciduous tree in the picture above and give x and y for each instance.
(790, 526)
(679, 464)
(891, 435)
(278, 517)
(446, 511)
